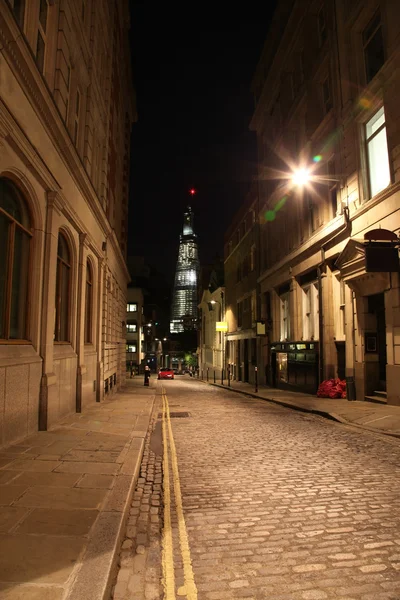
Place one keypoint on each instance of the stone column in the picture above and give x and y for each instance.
(55, 206)
(295, 311)
(327, 322)
(99, 330)
(80, 318)
(392, 314)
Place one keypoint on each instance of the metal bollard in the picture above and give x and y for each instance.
(229, 377)
(207, 373)
(214, 375)
(256, 378)
(222, 377)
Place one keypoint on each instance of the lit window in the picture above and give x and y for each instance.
(132, 307)
(374, 52)
(15, 238)
(377, 150)
(131, 348)
(131, 327)
(62, 321)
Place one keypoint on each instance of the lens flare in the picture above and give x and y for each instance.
(270, 215)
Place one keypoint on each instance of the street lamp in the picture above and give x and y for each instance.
(301, 177)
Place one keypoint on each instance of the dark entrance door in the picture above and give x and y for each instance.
(376, 305)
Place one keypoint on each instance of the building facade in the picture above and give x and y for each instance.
(66, 111)
(184, 300)
(241, 270)
(212, 344)
(326, 108)
(134, 328)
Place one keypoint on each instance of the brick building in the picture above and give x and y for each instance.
(66, 109)
(326, 104)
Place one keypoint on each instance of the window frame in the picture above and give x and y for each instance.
(366, 43)
(367, 141)
(42, 32)
(10, 250)
(58, 295)
(128, 304)
(88, 325)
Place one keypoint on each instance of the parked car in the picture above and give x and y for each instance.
(165, 373)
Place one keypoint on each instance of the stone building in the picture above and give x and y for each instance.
(241, 269)
(66, 111)
(135, 323)
(326, 108)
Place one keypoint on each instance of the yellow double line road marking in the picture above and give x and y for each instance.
(189, 588)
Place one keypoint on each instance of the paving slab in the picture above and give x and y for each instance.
(64, 500)
(53, 497)
(33, 592)
(58, 522)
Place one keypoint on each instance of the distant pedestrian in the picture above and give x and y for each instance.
(131, 369)
(146, 375)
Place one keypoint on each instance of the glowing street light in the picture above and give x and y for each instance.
(301, 177)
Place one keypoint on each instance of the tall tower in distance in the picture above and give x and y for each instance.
(184, 300)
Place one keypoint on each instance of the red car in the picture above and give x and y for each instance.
(165, 374)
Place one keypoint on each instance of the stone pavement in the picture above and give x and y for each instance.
(65, 496)
(382, 418)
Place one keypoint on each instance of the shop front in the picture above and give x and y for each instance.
(294, 365)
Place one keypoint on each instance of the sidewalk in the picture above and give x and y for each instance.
(380, 418)
(64, 496)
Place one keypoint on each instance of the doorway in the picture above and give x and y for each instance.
(376, 306)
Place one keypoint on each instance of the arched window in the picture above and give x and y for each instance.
(63, 284)
(88, 303)
(15, 240)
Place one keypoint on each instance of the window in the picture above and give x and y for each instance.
(374, 52)
(15, 239)
(284, 313)
(326, 96)
(322, 32)
(76, 116)
(18, 7)
(238, 271)
(253, 257)
(310, 312)
(63, 277)
(253, 304)
(131, 327)
(88, 303)
(41, 35)
(332, 186)
(132, 307)
(239, 314)
(131, 347)
(377, 151)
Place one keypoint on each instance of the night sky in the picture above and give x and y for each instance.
(192, 75)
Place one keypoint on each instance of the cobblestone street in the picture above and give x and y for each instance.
(277, 504)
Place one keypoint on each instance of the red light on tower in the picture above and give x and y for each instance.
(192, 191)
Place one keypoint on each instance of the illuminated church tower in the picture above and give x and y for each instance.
(184, 301)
